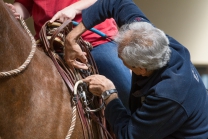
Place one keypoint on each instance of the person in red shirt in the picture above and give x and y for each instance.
(104, 51)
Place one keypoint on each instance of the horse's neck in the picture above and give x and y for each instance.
(15, 43)
(36, 103)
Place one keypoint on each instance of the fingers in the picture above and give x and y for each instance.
(93, 80)
(88, 79)
(99, 81)
(95, 89)
(98, 84)
(73, 61)
(9, 5)
(13, 9)
(83, 57)
(59, 16)
(55, 17)
(78, 65)
(17, 15)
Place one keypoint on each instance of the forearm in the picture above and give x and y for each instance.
(82, 4)
(123, 11)
(72, 37)
(70, 12)
(152, 117)
(112, 97)
(21, 10)
(72, 49)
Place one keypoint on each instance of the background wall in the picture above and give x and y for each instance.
(185, 20)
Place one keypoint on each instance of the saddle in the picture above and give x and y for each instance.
(52, 36)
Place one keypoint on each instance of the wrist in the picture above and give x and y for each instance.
(109, 95)
(73, 36)
(110, 98)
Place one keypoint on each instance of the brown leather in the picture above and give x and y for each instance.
(70, 76)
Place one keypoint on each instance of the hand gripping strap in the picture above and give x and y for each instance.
(70, 76)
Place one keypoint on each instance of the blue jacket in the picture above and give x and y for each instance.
(171, 103)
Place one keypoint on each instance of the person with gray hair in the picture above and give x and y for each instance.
(168, 99)
(142, 45)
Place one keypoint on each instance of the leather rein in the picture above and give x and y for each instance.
(53, 34)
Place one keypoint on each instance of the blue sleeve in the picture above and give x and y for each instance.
(157, 118)
(123, 11)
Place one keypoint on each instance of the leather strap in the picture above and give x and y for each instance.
(70, 76)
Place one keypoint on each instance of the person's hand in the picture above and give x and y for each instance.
(72, 10)
(74, 56)
(98, 84)
(67, 13)
(13, 9)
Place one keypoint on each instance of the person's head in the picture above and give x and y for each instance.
(143, 47)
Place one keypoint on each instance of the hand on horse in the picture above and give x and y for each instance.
(73, 51)
(98, 84)
(13, 10)
(74, 56)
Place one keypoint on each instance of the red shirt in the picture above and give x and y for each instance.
(43, 10)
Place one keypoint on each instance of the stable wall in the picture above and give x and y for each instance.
(185, 20)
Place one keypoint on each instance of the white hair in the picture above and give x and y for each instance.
(140, 44)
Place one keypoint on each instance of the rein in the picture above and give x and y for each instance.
(52, 36)
(29, 58)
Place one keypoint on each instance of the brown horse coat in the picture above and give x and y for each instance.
(34, 104)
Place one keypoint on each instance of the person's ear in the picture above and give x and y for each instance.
(143, 71)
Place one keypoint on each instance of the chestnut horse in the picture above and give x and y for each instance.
(35, 103)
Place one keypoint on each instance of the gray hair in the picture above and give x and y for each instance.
(140, 44)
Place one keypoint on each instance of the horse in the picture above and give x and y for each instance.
(35, 102)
